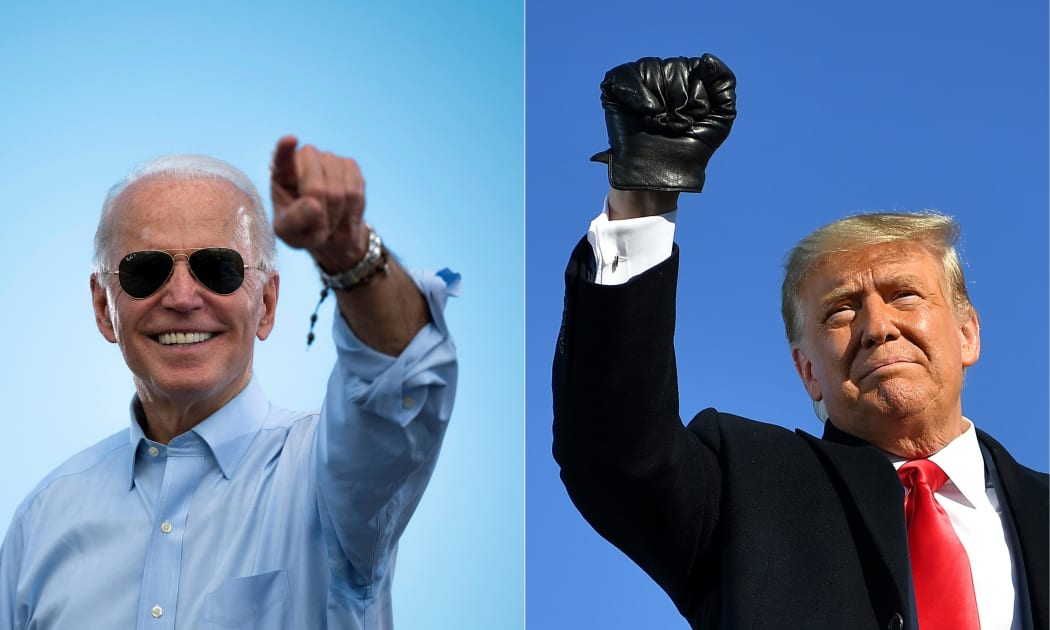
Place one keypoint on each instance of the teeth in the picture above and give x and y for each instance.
(177, 338)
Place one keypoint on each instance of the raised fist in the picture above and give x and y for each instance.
(665, 118)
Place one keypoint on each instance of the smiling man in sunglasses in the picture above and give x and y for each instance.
(217, 509)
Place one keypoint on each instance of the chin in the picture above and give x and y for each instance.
(186, 388)
(896, 398)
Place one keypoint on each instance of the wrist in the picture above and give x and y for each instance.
(631, 204)
(336, 273)
(339, 257)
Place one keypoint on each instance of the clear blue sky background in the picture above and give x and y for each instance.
(843, 107)
(430, 102)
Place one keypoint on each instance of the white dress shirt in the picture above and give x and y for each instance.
(973, 506)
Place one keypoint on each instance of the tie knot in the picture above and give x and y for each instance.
(922, 472)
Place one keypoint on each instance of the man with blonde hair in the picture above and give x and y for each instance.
(902, 515)
(216, 509)
(936, 233)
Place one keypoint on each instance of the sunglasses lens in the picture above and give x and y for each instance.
(142, 273)
(218, 268)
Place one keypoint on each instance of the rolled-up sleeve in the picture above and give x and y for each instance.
(381, 429)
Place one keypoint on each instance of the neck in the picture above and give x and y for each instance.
(163, 418)
(922, 445)
(907, 437)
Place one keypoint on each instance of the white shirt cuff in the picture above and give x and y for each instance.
(627, 248)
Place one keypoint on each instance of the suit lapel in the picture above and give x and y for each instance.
(1024, 494)
(867, 479)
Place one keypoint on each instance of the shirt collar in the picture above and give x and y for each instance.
(962, 461)
(228, 432)
(137, 436)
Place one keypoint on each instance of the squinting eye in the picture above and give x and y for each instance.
(838, 313)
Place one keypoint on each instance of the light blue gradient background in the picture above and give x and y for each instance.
(428, 100)
(843, 107)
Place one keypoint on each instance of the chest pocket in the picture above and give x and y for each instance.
(257, 602)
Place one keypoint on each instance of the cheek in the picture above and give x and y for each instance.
(117, 317)
(835, 349)
(252, 310)
(825, 357)
(934, 338)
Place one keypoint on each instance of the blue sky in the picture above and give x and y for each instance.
(843, 107)
(415, 93)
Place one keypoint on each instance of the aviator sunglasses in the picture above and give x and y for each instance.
(219, 269)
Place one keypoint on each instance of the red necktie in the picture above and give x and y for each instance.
(939, 565)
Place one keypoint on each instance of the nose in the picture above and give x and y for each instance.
(181, 291)
(878, 323)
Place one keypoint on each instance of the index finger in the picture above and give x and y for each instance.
(283, 171)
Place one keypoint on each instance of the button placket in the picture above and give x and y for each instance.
(162, 569)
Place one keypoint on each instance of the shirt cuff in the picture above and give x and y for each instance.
(629, 247)
(397, 387)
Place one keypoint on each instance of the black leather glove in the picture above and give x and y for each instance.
(665, 119)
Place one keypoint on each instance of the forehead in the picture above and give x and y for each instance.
(871, 266)
(162, 213)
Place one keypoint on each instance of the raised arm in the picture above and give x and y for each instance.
(391, 391)
(643, 480)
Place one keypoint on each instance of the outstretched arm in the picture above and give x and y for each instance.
(391, 391)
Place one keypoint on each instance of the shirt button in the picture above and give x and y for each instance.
(154, 451)
(156, 611)
(407, 402)
(165, 527)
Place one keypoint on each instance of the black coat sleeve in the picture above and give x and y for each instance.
(640, 478)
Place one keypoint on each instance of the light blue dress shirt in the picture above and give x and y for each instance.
(259, 518)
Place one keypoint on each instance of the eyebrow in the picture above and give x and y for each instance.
(837, 294)
(843, 291)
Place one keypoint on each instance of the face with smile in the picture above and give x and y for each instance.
(188, 348)
(884, 347)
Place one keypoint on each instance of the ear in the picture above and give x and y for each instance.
(970, 337)
(804, 367)
(100, 301)
(269, 306)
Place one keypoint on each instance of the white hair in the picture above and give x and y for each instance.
(189, 167)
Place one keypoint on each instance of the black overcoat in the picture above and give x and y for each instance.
(744, 524)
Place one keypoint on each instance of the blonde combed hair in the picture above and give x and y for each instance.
(937, 232)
